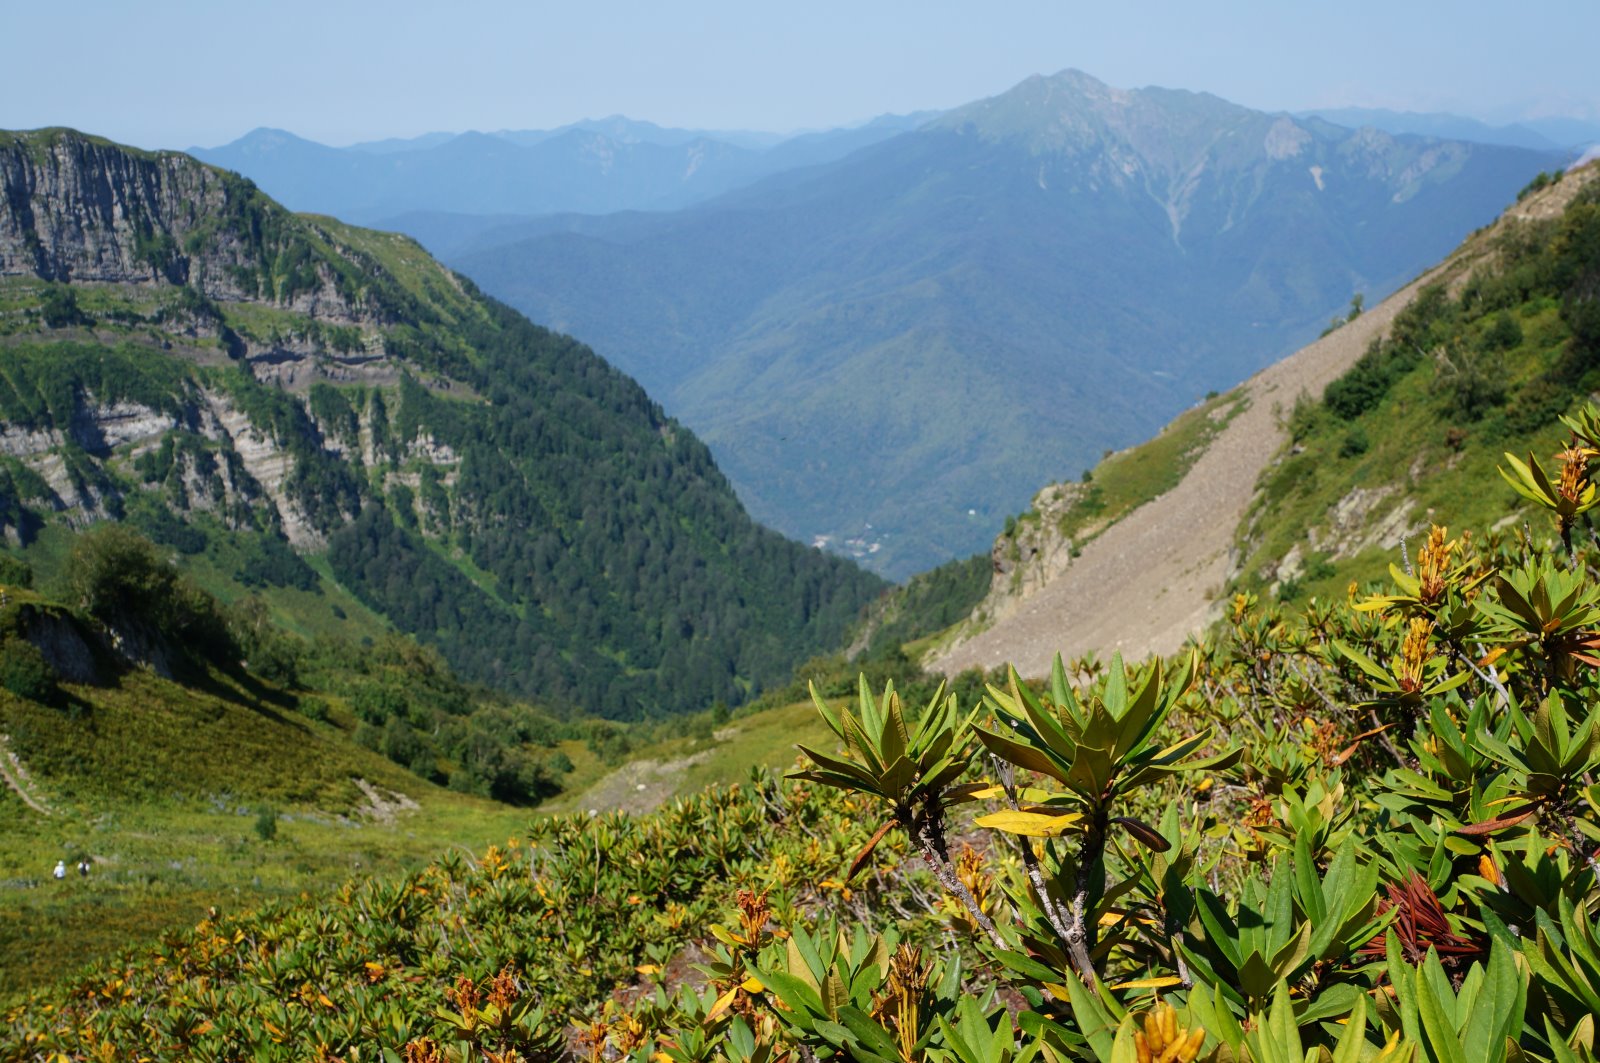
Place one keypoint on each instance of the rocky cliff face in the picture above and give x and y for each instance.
(178, 240)
(76, 209)
(162, 230)
(1032, 554)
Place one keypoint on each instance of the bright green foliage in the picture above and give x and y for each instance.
(1356, 862)
(905, 768)
(1478, 1021)
(1297, 862)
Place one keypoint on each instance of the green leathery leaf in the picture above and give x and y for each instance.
(1115, 696)
(1091, 771)
(1022, 755)
(1365, 663)
(1288, 959)
(1060, 691)
(895, 740)
(1437, 1023)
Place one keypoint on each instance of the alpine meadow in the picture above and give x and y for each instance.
(1079, 574)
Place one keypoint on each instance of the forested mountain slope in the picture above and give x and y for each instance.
(898, 348)
(292, 402)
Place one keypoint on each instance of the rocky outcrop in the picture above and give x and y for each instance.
(61, 643)
(245, 470)
(82, 211)
(78, 209)
(1033, 554)
(269, 465)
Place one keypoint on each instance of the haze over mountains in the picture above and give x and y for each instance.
(594, 166)
(890, 336)
(898, 348)
(1547, 134)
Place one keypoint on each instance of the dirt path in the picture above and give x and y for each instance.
(11, 771)
(638, 786)
(1152, 579)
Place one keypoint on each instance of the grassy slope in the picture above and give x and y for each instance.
(160, 783)
(162, 859)
(1418, 446)
(159, 865)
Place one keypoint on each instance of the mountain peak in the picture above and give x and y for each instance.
(264, 140)
(1074, 111)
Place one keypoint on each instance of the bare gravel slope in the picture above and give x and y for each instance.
(1154, 578)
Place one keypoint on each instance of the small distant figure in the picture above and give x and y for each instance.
(61, 870)
(83, 867)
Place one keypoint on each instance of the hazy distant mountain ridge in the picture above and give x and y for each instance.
(594, 166)
(915, 336)
(1550, 134)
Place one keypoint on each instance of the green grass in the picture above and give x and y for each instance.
(260, 320)
(162, 859)
(161, 864)
(101, 305)
(763, 739)
(309, 614)
(1128, 479)
(412, 267)
(160, 784)
(1419, 448)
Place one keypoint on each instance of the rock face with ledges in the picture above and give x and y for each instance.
(78, 209)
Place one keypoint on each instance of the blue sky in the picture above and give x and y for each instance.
(175, 73)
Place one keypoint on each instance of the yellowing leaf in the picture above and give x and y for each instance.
(1029, 824)
(724, 1002)
(1150, 983)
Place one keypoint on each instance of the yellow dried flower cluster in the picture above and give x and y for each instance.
(1414, 654)
(1163, 1041)
(1433, 563)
